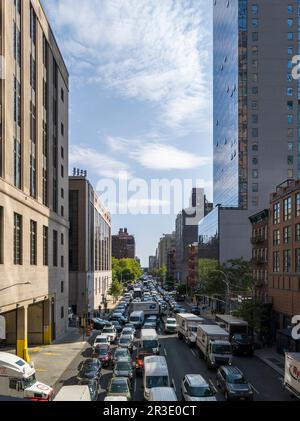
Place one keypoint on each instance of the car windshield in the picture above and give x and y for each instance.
(119, 387)
(121, 353)
(200, 392)
(108, 330)
(150, 344)
(30, 381)
(171, 322)
(237, 380)
(124, 340)
(127, 331)
(134, 319)
(241, 338)
(101, 351)
(123, 365)
(222, 349)
(90, 364)
(157, 381)
(193, 328)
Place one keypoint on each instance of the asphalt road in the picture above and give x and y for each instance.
(182, 360)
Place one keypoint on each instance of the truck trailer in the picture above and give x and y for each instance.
(292, 373)
(148, 307)
(187, 324)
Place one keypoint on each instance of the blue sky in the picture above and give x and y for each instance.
(140, 98)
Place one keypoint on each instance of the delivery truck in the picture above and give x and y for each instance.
(187, 324)
(148, 307)
(213, 345)
(17, 380)
(292, 373)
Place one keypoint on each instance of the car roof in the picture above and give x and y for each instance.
(196, 380)
(232, 370)
(100, 336)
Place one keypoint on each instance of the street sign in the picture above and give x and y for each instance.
(2, 328)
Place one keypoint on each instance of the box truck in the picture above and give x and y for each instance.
(292, 373)
(148, 307)
(17, 380)
(187, 324)
(213, 345)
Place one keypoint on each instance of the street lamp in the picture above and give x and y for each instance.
(227, 283)
(14, 285)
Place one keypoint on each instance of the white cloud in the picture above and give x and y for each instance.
(154, 51)
(100, 164)
(152, 153)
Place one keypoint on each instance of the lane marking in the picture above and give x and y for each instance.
(135, 386)
(213, 385)
(165, 351)
(193, 352)
(174, 385)
(255, 390)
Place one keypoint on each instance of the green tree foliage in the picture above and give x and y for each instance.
(116, 289)
(126, 269)
(257, 315)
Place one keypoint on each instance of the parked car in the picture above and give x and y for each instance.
(242, 344)
(119, 386)
(233, 383)
(123, 368)
(103, 353)
(195, 388)
(101, 340)
(88, 370)
(126, 341)
(195, 310)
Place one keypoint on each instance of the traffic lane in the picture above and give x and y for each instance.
(182, 360)
(266, 382)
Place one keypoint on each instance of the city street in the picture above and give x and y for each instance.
(182, 360)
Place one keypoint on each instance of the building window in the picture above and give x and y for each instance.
(255, 201)
(289, 77)
(290, 50)
(17, 164)
(1, 236)
(290, 132)
(255, 173)
(254, 118)
(62, 193)
(298, 204)
(55, 248)
(290, 174)
(290, 22)
(290, 118)
(255, 187)
(276, 237)
(62, 261)
(290, 160)
(62, 171)
(62, 152)
(290, 8)
(289, 92)
(290, 105)
(45, 246)
(254, 50)
(287, 260)
(254, 36)
(62, 129)
(255, 160)
(62, 94)
(254, 105)
(254, 9)
(255, 23)
(62, 210)
(33, 243)
(255, 147)
(62, 239)
(287, 209)
(17, 102)
(297, 260)
(62, 287)
(291, 147)
(290, 36)
(18, 239)
(62, 312)
(276, 266)
(287, 234)
(276, 213)
(254, 90)
(254, 77)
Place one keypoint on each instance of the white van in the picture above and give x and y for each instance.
(162, 394)
(149, 340)
(156, 374)
(137, 318)
(74, 393)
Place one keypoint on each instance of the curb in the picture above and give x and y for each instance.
(270, 364)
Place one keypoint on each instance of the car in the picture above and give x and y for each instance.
(117, 326)
(149, 325)
(195, 310)
(128, 331)
(170, 325)
(132, 327)
(98, 323)
(152, 319)
(233, 383)
(123, 368)
(103, 353)
(88, 370)
(242, 344)
(195, 388)
(125, 341)
(119, 386)
(110, 332)
(101, 340)
(121, 353)
(139, 360)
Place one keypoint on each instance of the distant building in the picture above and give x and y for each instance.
(186, 230)
(123, 245)
(166, 243)
(192, 265)
(152, 263)
(171, 264)
(138, 260)
(89, 247)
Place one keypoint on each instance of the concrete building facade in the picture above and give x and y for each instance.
(123, 245)
(89, 247)
(166, 243)
(33, 178)
(256, 114)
